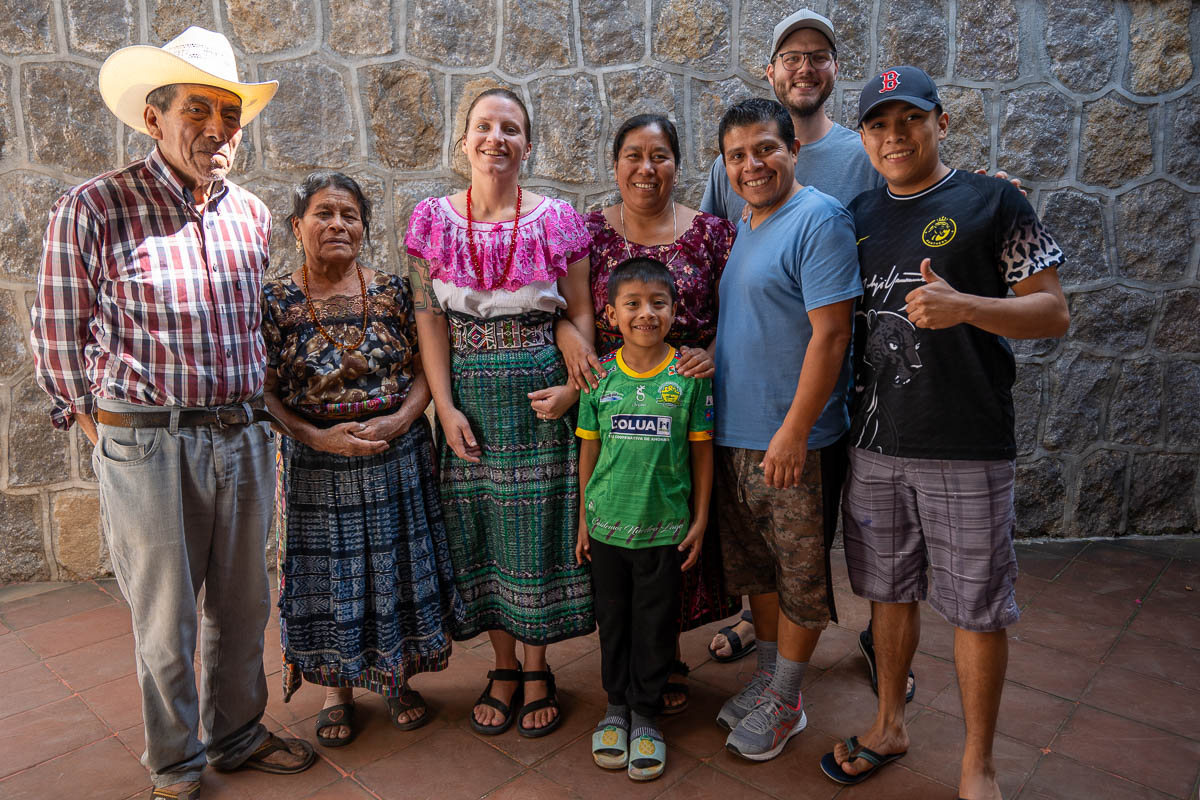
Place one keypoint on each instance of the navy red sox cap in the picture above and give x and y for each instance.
(909, 84)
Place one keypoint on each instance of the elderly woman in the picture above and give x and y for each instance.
(494, 269)
(694, 246)
(367, 595)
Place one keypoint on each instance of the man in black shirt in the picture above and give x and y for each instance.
(931, 476)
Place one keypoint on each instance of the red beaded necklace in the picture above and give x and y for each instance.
(312, 312)
(512, 246)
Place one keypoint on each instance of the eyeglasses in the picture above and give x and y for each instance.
(794, 60)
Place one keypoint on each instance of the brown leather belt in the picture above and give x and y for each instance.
(221, 416)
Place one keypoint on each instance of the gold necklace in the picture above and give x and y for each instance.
(312, 312)
(674, 232)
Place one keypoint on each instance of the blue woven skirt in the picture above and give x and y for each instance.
(367, 595)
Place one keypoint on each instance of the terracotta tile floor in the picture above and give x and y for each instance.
(1102, 701)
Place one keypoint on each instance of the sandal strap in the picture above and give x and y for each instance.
(174, 794)
(534, 705)
(405, 701)
(735, 641)
(541, 675)
(857, 750)
(505, 675)
(272, 744)
(486, 699)
(747, 615)
(325, 718)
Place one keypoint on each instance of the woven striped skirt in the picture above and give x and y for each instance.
(367, 596)
(512, 519)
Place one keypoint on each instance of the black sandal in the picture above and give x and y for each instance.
(486, 699)
(341, 715)
(407, 700)
(738, 650)
(674, 687)
(866, 646)
(549, 701)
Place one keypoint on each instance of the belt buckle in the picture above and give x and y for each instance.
(230, 415)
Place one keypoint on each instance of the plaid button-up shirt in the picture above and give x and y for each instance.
(143, 298)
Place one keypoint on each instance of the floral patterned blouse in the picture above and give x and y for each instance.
(702, 251)
(319, 381)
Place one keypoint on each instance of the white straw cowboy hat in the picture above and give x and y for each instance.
(194, 56)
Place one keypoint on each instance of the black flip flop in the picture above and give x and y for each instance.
(340, 715)
(549, 701)
(486, 699)
(866, 646)
(735, 643)
(674, 687)
(407, 701)
(833, 770)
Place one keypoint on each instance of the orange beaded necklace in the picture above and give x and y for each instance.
(312, 312)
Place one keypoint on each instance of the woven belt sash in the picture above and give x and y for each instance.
(535, 329)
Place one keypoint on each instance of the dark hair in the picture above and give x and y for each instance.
(752, 112)
(303, 194)
(162, 97)
(507, 94)
(644, 121)
(646, 270)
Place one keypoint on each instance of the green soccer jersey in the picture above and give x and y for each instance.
(639, 492)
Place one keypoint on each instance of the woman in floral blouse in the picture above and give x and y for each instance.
(648, 222)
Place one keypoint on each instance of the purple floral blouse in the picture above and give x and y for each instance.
(702, 252)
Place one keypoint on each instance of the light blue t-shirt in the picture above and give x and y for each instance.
(836, 164)
(801, 257)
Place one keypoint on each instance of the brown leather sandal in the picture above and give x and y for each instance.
(274, 744)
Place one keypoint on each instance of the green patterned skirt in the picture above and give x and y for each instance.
(512, 519)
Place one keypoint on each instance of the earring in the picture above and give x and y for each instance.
(299, 247)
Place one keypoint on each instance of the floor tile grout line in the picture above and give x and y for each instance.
(1138, 610)
(118, 598)
(1116, 775)
(110, 735)
(31, 652)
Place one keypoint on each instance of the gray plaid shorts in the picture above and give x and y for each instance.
(901, 516)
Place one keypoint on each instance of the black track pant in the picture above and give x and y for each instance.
(637, 609)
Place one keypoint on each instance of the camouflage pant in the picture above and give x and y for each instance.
(772, 540)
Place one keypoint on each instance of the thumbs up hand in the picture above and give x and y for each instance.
(936, 304)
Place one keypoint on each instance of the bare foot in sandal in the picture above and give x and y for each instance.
(336, 697)
(723, 649)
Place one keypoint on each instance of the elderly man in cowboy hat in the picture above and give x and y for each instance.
(146, 333)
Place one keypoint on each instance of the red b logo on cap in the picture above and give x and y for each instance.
(891, 79)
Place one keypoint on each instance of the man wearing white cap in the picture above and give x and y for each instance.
(145, 331)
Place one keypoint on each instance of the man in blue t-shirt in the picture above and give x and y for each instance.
(928, 507)
(786, 296)
(802, 71)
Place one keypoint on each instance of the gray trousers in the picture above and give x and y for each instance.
(188, 509)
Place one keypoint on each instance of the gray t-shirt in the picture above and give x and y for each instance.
(836, 164)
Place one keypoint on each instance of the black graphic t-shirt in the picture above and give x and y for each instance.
(943, 394)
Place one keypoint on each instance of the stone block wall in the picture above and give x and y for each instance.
(1095, 104)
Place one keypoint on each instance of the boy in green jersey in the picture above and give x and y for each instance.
(645, 474)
